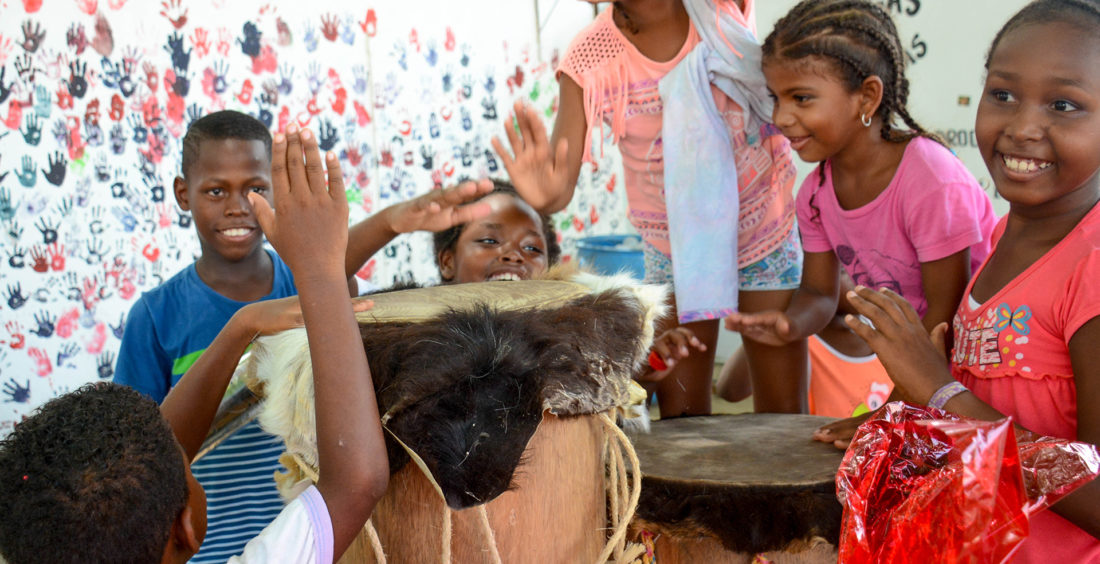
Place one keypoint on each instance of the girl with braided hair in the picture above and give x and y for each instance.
(1027, 330)
(889, 203)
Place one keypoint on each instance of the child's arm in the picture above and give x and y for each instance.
(545, 172)
(435, 211)
(192, 403)
(811, 307)
(669, 348)
(309, 229)
(944, 282)
(916, 363)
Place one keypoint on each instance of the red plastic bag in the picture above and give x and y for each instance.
(922, 485)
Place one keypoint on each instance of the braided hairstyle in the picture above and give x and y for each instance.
(1082, 13)
(859, 40)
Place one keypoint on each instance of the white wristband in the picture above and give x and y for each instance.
(945, 393)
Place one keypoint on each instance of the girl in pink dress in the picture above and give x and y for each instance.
(1026, 334)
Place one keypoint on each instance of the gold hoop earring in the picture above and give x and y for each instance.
(866, 121)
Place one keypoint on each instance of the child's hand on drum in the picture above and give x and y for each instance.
(273, 316)
(440, 209)
(669, 348)
(840, 432)
(768, 327)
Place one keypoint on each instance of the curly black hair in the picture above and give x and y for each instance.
(1082, 13)
(217, 126)
(92, 476)
(445, 240)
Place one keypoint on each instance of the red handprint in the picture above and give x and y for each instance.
(330, 26)
(150, 252)
(151, 77)
(225, 40)
(42, 365)
(353, 156)
(15, 115)
(245, 95)
(200, 39)
(38, 256)
(578, 224)
(284, 118)
(91, 112)
(414, 40)
(175, 12)
(90, 293)
(99, 338)
(593, 215)
(67, 324)
(31, 6)
(15, 329)
(88, 6)
(449, 43)
(361, 114)
(611, 183)
(369, 25)
(118, 108)
(127, 289)
(57, 256)
(339, 103)
(64, 98)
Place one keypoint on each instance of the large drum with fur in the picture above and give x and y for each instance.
(497, 402)
(726, 488)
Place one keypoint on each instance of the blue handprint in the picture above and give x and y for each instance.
(32, 129)
(29, 175)
(17, 393)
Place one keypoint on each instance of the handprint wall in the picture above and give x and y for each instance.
(94, 102)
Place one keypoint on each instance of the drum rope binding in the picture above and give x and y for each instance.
(624, 496)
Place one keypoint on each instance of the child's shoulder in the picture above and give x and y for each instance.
(926, 159)
(593, 47)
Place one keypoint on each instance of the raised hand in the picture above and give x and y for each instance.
(915, 359)
(767, 327)
(440, 209)
(537, 171)
(304, 205)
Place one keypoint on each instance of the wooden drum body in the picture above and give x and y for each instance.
(724, 488)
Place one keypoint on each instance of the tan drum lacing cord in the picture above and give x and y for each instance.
(623, 495)
(372, 533)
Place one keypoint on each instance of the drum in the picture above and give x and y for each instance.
(724, 488)
(500, 395)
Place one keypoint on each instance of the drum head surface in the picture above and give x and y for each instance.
(419, 304)
(752, 448)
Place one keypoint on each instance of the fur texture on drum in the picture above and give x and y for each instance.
(465, 389)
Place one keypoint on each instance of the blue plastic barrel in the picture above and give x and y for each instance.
(611, 254)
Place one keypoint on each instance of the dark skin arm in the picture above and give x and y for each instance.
(309, 229)
(435, 211)
(811, 307)
(915, 362)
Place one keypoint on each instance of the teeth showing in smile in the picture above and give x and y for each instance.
(1024, 165)
(504, 276)
(236, 232)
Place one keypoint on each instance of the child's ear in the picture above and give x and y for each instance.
(183, 535)
(870, 93)
(179, 188)
(447, 265)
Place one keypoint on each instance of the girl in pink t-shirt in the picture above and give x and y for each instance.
(892, 207)
(1026, 334)
(612, 74)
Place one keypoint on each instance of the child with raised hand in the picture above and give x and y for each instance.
(744, 256)
(97, 475)
(891, 206)
(1027, 331)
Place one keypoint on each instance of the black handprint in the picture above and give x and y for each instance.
(427, 156)
(96, 251)
(45, 324)
(102, 169)
(118, 139)
(250, 44)
(76, 38)
(73, 293)
(5, 91)
(17, 257)
(492, 164)
(181, 59)
(68, 350)
(263, 103)
(56, 174)
(32, 36)
(60, 132)
(105, 364)
(117, 330)
(15, 296)
(24, 67)
(19, 394)
(194, 112)
(48, 230)
(29, 175)
(93, 134)
(77, 83)
(32, 128)
(141, 134)
(286, 76)
(156, 188)
(327, 136)
(490, 106)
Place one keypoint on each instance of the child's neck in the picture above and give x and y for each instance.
(865, 167)
(246, 280)
(658, 28)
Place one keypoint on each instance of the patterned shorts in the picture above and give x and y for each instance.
(780, 270)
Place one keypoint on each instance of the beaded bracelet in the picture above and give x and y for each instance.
(945, 393)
